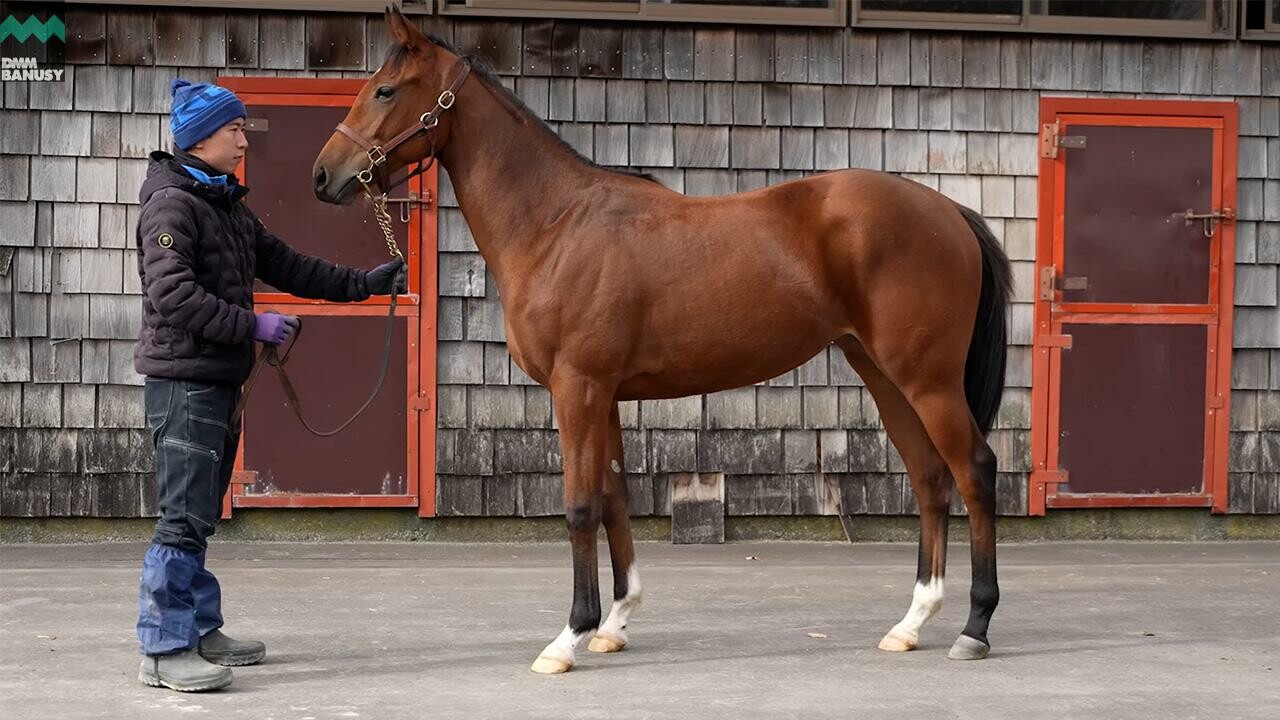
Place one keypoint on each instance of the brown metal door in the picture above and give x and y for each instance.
(380, 460)
(1132, 329)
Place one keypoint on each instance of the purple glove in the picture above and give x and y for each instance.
(273, 328)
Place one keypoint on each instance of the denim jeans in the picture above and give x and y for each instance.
(195, 456)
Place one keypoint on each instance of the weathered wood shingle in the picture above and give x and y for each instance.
(106, 88)
(701, 146)
(719, 103)
(652, 146)
(777, 104)
(677, 45)
(462, 274)
(564, 49)
(86, 36)
(242, 40)
(282, 41)
(1086, 64)
(1015, 63)
(753, 55)
(968, 110)
(15, 177)
(589, 101)
(335, 41)
(1237, 68)
(65, 133)
(946, 60)
(981, 61)
(195, 39)
(755, 147)
(624, 101)
(55, 361)
(713, 54)
(641, 52)
(96, 180)
(1121, 65)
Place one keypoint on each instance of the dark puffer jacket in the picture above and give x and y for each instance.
(199, 249)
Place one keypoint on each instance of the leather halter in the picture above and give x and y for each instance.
(426, 124)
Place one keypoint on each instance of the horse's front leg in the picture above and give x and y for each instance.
(612, 635)
(582, 410)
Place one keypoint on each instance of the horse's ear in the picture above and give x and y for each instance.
(402, 30)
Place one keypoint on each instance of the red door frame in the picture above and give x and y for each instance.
(1051, 314)
(420, 307)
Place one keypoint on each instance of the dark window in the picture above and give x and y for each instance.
(969, 7)
(1132, 9)
(812, 4)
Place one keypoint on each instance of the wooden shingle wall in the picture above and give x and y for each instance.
(707, 110)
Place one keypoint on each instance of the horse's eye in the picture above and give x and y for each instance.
(384, 92)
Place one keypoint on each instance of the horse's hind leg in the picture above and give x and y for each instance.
(612, 635)
(946, 415)
(931, 481)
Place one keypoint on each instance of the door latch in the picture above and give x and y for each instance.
(407, 204)
(1224, 215)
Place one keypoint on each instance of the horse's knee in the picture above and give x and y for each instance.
(582, 517)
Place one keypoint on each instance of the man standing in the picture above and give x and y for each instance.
(199, 250)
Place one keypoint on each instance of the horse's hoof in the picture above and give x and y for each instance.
(896, 641)
(603, 643)
(967, 648)
(547, 665)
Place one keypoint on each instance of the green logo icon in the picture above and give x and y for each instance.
(20, 31)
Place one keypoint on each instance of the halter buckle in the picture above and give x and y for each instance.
(434, 121)
(446, 100)
(364, 177)
(376, 156)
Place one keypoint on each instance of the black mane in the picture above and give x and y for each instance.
(398, 54)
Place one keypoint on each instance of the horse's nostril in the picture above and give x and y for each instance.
(322, 178)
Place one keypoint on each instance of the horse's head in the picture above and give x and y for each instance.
(389, 113)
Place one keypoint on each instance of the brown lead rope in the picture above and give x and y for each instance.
(269, 355)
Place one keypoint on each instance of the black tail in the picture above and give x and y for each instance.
(984, 367)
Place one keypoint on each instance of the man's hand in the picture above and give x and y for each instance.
(383, 278)
(274, 329)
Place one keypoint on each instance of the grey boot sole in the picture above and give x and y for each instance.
(234, 660)
(150, 678)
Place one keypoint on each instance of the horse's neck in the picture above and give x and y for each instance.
(511, 177)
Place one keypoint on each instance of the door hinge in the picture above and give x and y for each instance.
(420, 403)
(1050, 282)
(244, 477)
(1051, 139)
(1217, 402)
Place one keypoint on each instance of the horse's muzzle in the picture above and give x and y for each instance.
(329, 189)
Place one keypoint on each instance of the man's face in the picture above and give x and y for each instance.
(224, 149)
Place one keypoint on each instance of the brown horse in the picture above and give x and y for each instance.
(616, 288)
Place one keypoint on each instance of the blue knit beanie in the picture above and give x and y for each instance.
(199, 109)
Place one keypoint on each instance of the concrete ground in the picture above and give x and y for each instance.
(382, 631)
